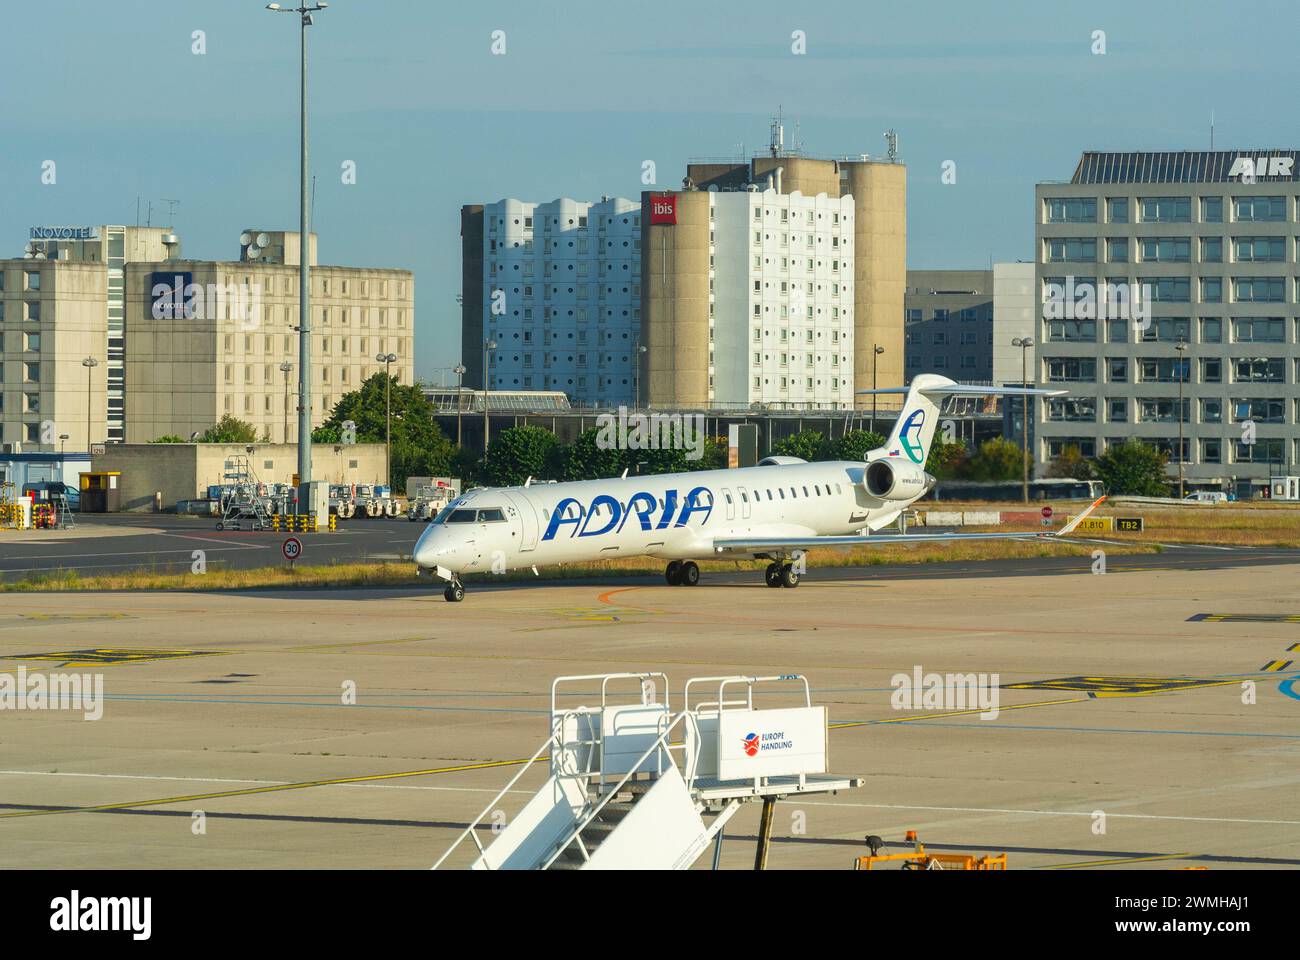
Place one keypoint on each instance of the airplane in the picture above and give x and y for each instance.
(775, 511)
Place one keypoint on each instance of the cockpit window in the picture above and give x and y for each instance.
(461, 516)
(491, 516)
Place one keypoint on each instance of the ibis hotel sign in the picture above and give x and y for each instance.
(63, 233)
(663, 208)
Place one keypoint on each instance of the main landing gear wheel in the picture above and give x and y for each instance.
(788, 577)
(454, 593)
(772, 576)
(689, 575)
(673, 572)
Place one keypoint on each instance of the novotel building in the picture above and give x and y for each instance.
(1169, 286)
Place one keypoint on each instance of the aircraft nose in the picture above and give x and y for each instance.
(430, 552)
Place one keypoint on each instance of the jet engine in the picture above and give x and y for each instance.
(895, 480)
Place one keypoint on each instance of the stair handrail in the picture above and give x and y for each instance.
(660, 742)
(557, 730)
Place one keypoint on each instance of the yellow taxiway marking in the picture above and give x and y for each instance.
(1275, 666)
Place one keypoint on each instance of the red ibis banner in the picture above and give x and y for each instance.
(663, 208)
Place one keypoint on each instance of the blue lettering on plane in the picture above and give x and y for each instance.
(588, 522)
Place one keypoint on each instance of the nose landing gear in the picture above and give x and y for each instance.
(455, 592)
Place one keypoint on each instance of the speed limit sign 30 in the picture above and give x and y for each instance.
(291, 548)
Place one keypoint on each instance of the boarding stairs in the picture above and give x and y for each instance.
(632, 785)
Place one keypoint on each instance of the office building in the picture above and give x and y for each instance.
(1168, 274)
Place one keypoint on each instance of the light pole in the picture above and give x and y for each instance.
(304, 254)
(876, 351)
(459, 370)
(63, 440)
(388, 359)
(488, 347)
(285, 368)
(90, 363)
(1181, 347)
(1024, 343)
(640, 349)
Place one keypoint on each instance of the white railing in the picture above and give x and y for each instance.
(554, 740)
(660, 746)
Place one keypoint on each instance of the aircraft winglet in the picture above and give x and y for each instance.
(1068, 529)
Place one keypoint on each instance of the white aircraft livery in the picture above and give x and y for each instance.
(774, 511)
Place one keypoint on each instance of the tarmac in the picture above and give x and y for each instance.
(1148, 716)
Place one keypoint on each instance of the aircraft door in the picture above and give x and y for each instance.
(744, 502)
(729, 498)
(523, 516)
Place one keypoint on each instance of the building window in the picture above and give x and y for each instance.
(1259, 289)
(1259, 209)
(1166, 209)
(1258, 330)
(1258, 370)
(1212, 330)
(1259, 249)
(1212, 209)
(1117, 209)
(1071, 210)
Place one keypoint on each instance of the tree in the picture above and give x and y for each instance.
(585, 459)
(518, 453)
(1070, 464)
(229, 430)
(997, 459)
(1133, 468)
(947, 461)
(854, 445)
(419, 446)
(168, 438)
(807, 445)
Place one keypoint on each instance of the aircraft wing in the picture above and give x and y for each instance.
(764, 544)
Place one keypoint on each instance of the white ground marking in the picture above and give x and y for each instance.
(1050, 813)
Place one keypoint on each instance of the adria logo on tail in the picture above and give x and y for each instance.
(910, 436)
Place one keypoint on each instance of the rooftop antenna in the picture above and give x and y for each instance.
(891, 144)
(171, 212)
(1211, 129)
(777, 140)
(148, 222)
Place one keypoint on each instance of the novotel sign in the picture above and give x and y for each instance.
(63, 233)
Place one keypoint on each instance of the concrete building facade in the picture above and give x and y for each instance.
(556, 286)
(949, 324)
(64, 302)
(108, 336)
(864, 268)
(1205, 244)
(754, 292)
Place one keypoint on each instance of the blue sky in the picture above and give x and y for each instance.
(1009, 91)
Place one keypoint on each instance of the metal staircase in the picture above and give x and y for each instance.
(633, 786)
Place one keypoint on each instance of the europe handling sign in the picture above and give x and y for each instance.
(663, 208)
